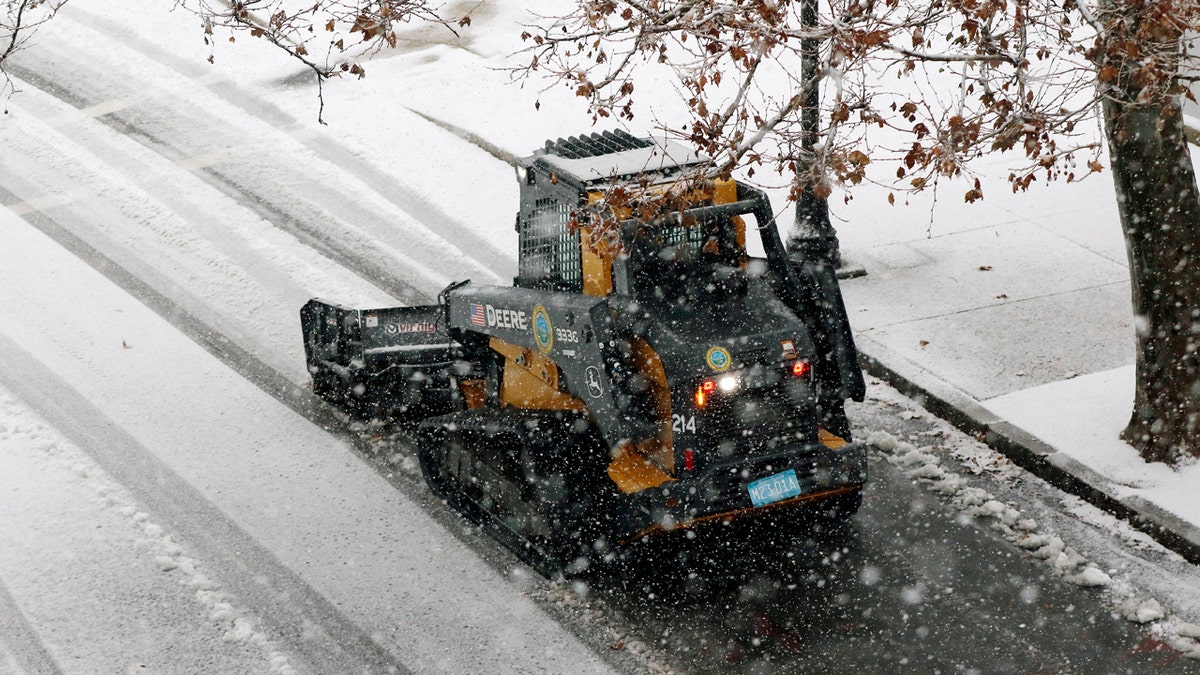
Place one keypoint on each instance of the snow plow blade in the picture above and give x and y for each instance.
(385, 363)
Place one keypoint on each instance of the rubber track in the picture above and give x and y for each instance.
(448, 489)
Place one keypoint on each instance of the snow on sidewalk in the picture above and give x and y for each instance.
(1082, 417)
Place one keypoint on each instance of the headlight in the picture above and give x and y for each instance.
(725, 384)
(728, 383)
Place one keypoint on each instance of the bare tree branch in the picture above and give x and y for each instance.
(329, 38)
(19, 21)
(1021, 76)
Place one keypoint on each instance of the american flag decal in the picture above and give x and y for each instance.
(477, 316)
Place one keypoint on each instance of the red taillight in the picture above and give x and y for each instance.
(689, 460)
(705, 389)
(709, 386)
(800, 368)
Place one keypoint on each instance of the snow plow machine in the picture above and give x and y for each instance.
(643, 375)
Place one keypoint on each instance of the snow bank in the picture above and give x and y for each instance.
(1082, 418)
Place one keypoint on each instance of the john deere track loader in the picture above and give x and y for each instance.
(643, 374)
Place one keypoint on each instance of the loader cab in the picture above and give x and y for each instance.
(682, 291)
(572, 238)
(673, 263)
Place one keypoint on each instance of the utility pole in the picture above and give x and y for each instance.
(813, 247)
(812, 237)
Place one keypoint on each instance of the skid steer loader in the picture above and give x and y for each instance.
(643, 375)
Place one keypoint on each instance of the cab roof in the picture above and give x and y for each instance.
(603, 157)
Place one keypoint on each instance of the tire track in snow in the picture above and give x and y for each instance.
(214, 341)
(309, 222)
(304, 620)
(20, 649)
(246, 364)
(133, 590)
(390, 187)
(334, 202)
(193, 274)
(265, 583)
(174, 209)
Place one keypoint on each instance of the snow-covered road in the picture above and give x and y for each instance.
(284, 516)
(216, 223)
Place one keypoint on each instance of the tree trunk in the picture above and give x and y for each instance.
(1159, 207)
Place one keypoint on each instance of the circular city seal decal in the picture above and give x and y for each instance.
(718, 359)
(543, 330)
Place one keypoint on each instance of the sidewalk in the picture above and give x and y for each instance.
(1011, 318)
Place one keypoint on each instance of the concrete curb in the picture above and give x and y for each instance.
(1023, 449)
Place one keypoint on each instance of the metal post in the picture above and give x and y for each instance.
(812, 237)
